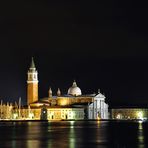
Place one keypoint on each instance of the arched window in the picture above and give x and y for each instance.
(34, 76)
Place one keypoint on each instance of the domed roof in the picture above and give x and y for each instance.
(74, 90)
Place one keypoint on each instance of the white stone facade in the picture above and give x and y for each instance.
(98, 108)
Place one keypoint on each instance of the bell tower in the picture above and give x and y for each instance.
(32, 84)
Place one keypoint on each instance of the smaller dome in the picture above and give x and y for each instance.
(74, 90)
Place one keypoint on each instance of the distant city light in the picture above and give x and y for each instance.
(140, 115)
(118, 116)
(31, 115)
(15, 115)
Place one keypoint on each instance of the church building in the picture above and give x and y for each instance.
(71, 106)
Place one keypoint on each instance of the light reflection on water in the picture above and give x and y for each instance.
(72, 138)
(140, 136)
(73, 134)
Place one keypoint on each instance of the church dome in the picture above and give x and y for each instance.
(74, 90)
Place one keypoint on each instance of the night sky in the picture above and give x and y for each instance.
(100, 44)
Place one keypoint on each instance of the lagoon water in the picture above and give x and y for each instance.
(74, 134)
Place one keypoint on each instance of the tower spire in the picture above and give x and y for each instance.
(32, 84)
(32, 65)
(58, 92)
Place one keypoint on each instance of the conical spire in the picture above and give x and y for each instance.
(58, 92)
(50, 92)
(32, 65)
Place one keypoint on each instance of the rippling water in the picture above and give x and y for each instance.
(74, 134)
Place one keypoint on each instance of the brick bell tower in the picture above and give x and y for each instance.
(32, 84)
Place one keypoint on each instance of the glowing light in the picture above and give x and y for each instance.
(140, 115)
(15, 115)
(72, 123)
(99, 122)
(63, 102)
(31, 115)
(140, 122)
(118, 116)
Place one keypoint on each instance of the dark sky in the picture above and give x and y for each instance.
(100, 44)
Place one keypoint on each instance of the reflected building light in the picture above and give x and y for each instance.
(72, 124)
(72, 140)
(34, 143)
(14, 141)
(29, 123)
(31, 136)
(98, 123)
(140, 127)
(49, 126)
(72, 143)
(141, 141)
(14, 144)
(50, 143)
(140, 121)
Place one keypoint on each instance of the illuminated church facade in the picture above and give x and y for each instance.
(72, 105)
